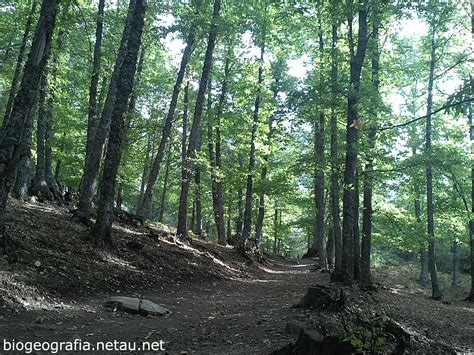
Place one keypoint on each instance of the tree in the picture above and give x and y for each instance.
(19, 64)
(102, 230)
(247, 222)
(195, 128)
(101, 131)
(12, 134)
(350, 169)
(145, 204)
(436, 293)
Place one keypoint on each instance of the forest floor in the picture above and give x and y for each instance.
(54, 286)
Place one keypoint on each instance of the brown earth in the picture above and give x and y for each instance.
(54, 286)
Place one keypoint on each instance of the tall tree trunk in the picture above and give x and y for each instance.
(471, 136)
(216, 162)
(145, 169)
(40, 187)
(144, 208)
(367, 211)
(194, 134)
(19, 64)
(320, 161)
(161, 211)
(266, 158)
(229, 223)
(13, 134)
(456, 282)
(330, 247)
(356, 228)
(275, 230)
(101, 131)
(102, 231)
(240, 208)
(335, 209)
(424, 267)
(96, 65)
(249, 192)
(436, 293)
(356, 63)
(22, 180)
(119, 200)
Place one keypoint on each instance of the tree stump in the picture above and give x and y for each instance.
(324, 298)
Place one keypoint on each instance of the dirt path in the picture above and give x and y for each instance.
(235, 316)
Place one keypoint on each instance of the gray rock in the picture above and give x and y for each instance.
(135, 305)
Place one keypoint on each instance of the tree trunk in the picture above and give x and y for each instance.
(161, 211)
(240, 210)
(216, 162)
(356, 63)
(436, 293)
(367, 211)
(356, 229)
(194, 135)
(229, 223)
(96, 65)
(275, 231)
(39, 185)
(20, 189)
(143, 211)
(145, 169)
(456, 273)
(12, 134)
(19, 64)
(249, 192)
(101, 131)
(197, 192)
(335, 209)
(330, 247)
(119, 200)
(471, 136)
(320, 162)
(102, 231)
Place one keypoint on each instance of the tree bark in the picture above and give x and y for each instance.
(144, 208)
(249, 192)
(367, 211)
(356, 63)
(102, 231)
(335, 209)
(161, 211)
(471, 136)
(194, 134)
(12, 135)
(240, 210)
(436, 293)
(39, 185)
(101, 131)
(96, 66)
(320, 162)
(456, 282)
(356, 228)
(216, 162)
(19, 64)
(22, 180)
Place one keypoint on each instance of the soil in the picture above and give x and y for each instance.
(54, 287)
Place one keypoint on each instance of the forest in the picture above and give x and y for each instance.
(300, 168)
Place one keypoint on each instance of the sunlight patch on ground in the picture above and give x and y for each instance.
(112, 259)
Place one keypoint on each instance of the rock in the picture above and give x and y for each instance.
(135, 305)
(37, 263)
